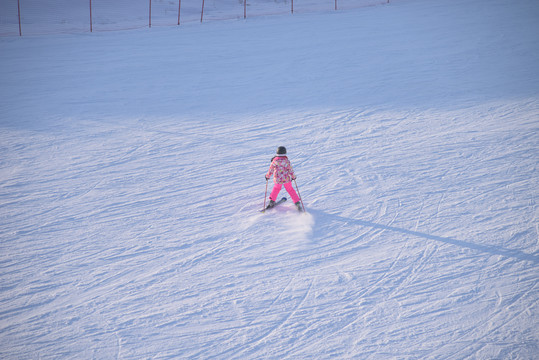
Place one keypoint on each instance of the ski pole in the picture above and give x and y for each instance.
(265, 194)
(300, 198)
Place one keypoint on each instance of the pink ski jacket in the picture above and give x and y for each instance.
(280, 165)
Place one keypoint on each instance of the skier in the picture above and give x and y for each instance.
(284, 174)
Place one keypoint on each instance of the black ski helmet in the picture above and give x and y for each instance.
(281, 151)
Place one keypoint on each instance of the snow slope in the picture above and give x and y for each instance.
(132, 171)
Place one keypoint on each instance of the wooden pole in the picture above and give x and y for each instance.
(91, 25)
(202, 12)
(179, 10)
(150, 16)
(19, 10)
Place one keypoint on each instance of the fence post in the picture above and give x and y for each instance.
(19, 11)
(202, 12)
(91, 29)
(244, 9)
(335, 4)
(292, 10)
(150, 16)
(179, 10)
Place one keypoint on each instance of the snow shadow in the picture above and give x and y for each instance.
(493, 250)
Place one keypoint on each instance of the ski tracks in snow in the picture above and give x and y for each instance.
(378, 255)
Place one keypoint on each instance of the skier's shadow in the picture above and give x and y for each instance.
(493, 250)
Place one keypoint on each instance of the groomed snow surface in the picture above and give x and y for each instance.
(132, 168)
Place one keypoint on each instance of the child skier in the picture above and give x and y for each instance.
(284, 174)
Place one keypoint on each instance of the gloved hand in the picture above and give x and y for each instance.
(265, 177)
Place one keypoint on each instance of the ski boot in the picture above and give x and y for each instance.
(271, 204)
(298, 206)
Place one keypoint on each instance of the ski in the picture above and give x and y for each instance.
(276, 203)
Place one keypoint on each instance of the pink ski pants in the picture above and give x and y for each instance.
(288, 186)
